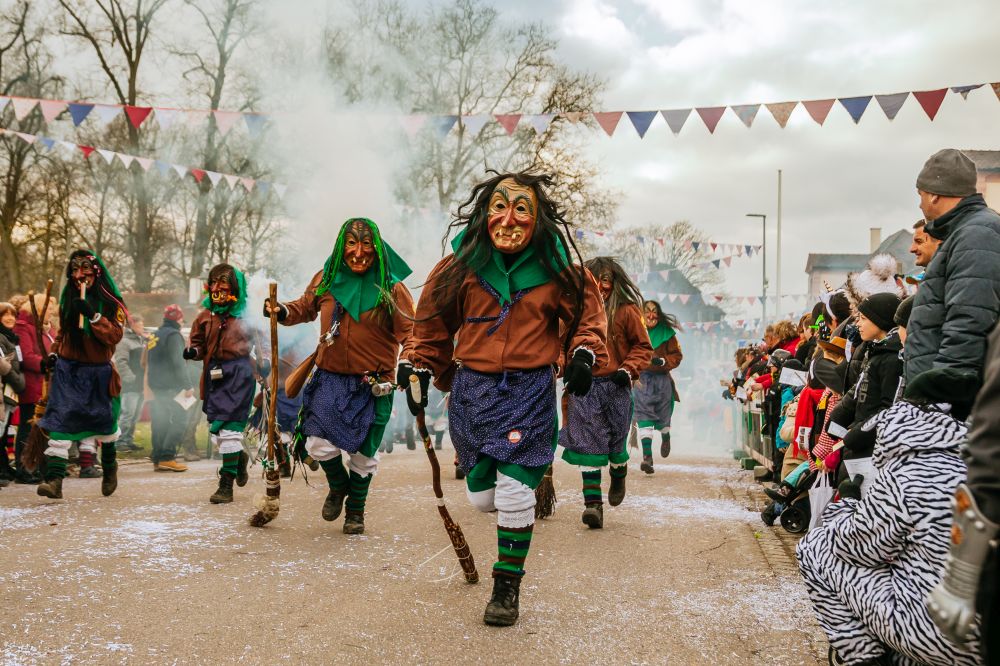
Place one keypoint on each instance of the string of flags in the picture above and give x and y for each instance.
(111, 158)
(930, 102)
(734, 249)
(716, 299)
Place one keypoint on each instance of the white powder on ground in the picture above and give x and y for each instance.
(663, 510)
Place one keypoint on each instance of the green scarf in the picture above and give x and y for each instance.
(234, 309)
(360, 293)
(659, 334)
(526, 272)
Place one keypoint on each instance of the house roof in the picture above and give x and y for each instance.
(850, 262)
(986, 160)
(898, 245)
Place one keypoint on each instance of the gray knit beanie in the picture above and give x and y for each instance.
(948, 172)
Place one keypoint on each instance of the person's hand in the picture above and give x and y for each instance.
(578, 375)
(756, 387)
(658, 362)
(5, 365)
(281, 309)
(84, 308)
(851, 488)
(190, 353)
(622, 378)
(416, 391)
(49, 362)
(832, 460)
(264, 367)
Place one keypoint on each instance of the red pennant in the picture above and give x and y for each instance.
(996, 89)
(711, 115)
(608, 120)
(819, 109)
(714, 246)
(509, 121)
(930, 100)
(198, 174)
(137, 114)
(86, 150)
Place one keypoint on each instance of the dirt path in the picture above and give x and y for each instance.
(683, 573)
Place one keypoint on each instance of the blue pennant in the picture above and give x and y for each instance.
(79, 112)
(856, 106)
(641, 121)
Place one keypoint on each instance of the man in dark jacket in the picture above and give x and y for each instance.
(169, 380)
(959, 300)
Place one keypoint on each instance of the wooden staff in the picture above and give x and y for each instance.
(454, 531)
(268, 505)
(37, 442)
(83, 294)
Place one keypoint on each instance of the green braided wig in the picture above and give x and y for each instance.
(335, 262)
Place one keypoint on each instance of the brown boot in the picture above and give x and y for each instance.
(593, 516)
(242, 476)
(502, 609)
(354, 523)
(647, 464)
(109, 480)
(616, 493)
(51, 488)
(170, 466)
(224, 494)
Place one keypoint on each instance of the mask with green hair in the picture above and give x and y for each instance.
(226, 291)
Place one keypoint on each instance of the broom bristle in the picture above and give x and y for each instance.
(545, 496)
(34, 449)
(267, 510)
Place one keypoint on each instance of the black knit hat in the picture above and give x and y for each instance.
(902, 317)
(956, 387)
(880, 310)
(948, 172)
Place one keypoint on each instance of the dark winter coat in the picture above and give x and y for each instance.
(14, 378)
(984, 437)
(165, 360)
(128, 361)
(958, 302)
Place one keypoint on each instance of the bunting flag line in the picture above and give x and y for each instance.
(930, 101)
(734, 249)
(716, 299)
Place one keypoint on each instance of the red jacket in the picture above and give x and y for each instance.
(790, 345)
(31, 358)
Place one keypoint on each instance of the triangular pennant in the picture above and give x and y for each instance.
(180, 170)
(541, 122)
(819, 109)
(412, 124)
(195, 116)
(105, 113)
(573, 116)
(255, 123)
(144, 162)
(856, 106)
(165, 118)
(199, 174)
(47, 142)
(728, 261)
(891, 104)
(22, 106)
(280, 190)
(665, 274)
(751, 300)
(51, 109)
(79, 112)
(676, 118)
(579, 234)
(717, 263)
(473, 124)
(125, 159)
(86, 150)
(782, 111)
(231, 180)
(965, 90)
(108, 155)
(710, 115)
(996, 89)
(137, 114)
(715, 246)
(4, 100)
(224, 121)
(608, 121)
(214, 177)
(247, 183)
(684, 298)
(27, 138)
(930, 100)
(263, 187)
(695, 245)
(162, 167)
(641, 121)
(673, 297)
(508, 121)
(443, 124)
(718, 298)
(748, 249)
(746, 112)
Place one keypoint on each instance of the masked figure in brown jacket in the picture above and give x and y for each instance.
(366, 315)
(655, 393)
(494, 320)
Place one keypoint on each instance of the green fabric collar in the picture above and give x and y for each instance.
(526, 272)
(659, 334)
(360, 293)
(236, 308)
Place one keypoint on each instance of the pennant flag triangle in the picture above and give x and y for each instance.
(695, 245)
(412, 124)
(443, 124)
(508, 121)
(891, 104)
(214, 177)
(162, 167)
(473, 124)
(79, 112)
(3, 102)
(224, 121)
(676, 118)
(930, 100)
(574, 116)
(717, 263)
(255, 123)
(280, 190)
(996, 89)
(248, 183)
(195, 115)
(231, 180)
(86, 150)
(718, 298)
(965, 90)
(125, 159)
(715, 246)
(167, 117)
(710, 115)
(751, 299)
(782, 111)
(728, 261)
(105, 113)
(144, 162)
(819, 109)
(263, 187)
(199, 174)
(748, 248)
(665, 274)
(856, 106)
(137, 114)
(746, 112)
(608, 121)
(180, 170)
(684, 298)
(51, 109)
(23, 106)
(27, 138)
(673, 297)
(641, 121)
(47, 142)
(541, 122)
(108, 155)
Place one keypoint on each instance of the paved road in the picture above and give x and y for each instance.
(683, 573)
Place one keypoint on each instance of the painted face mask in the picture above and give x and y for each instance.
(606, 283)
(511, 216)
(359, 247)
(220, 288)
(83, 270)
(650, 316)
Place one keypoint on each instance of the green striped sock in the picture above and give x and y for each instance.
(357, 492)
(647, 446)
(592, 487)
(618, 471)
(336, 475)
(55, 467)
(230, 463)
(512, 546)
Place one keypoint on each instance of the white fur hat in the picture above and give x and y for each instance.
(876, 279)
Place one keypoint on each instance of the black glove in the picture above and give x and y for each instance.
(578, 375)
(49, 362)
(851, 488)
(404, 371)
(658, 362)
(84, 308)
(263, 367)
(622, 378)
(190, 353)
(282, 310)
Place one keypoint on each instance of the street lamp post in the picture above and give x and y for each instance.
(763, 270)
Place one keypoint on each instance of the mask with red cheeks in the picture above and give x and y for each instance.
(83, 270)
(512, 214)
(359, 247)
(650, 316)
(220, 287)
(606, 284)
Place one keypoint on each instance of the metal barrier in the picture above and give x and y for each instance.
(748, 419)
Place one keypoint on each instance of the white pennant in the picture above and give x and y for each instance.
(144, 162)
(181, 170)
(231, 180)
(214, 176)
(248, 184)
(125, 159)
(224, 120)
(541, 121)
(280, 189)
(108, 155)
(3, 102)
(51, 109)
(27, 138)
(475, 123)
(22, 106)
(195, 116)
(105, 113)
(166, 117)
(412, 124)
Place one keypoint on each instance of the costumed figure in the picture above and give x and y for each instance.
(365, 315)
(655, 393)
(494, 320)
(223, 343)
(597, 425)
(84, 394)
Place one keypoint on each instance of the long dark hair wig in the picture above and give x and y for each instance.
(476, 250)
(662, 317)
(623, 291)
(104, 297)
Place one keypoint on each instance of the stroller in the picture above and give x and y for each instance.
(792, 510)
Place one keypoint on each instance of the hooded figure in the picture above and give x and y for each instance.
(222, 342)
(365, 314)
(655, 393)
(84, 394)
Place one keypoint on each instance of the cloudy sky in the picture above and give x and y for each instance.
(839, 179)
